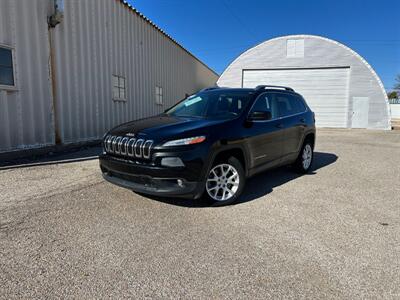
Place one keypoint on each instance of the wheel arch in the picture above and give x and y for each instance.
(310, 137)
(224, 153)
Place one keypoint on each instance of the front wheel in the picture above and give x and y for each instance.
(305, 158)
(225, 182)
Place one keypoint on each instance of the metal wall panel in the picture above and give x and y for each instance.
(26, 118)
(99, 38)
(319, 52)
(96, 39)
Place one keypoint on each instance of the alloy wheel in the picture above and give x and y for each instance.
(222, 182)
(307, 156)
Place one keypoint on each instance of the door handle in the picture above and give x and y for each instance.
(280, 125)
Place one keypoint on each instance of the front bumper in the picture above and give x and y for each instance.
(148, 180)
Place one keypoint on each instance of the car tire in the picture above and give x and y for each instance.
(225, 182)
(304, 160)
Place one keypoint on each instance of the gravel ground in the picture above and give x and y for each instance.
(66, 233)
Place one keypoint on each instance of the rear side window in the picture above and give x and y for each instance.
(298, 103)
(289, 104)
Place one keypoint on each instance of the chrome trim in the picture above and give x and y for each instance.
(150, 142)
(138, 147)
(118, 145)
(105, 140)
(114, 138)
(109, 143)
(124, 145)
(131, 154)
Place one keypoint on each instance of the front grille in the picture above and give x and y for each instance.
(125, 146)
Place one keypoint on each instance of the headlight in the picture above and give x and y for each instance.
(187, 141)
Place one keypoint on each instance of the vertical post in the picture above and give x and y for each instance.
(52, 63)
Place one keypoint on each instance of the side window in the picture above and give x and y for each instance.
(284, 105)
(6, 67)
(266, 102)
(159, 95)
(299, 103)
(119, 87)
(289, 104)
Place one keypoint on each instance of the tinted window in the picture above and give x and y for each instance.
(297, 103)
(289, 104)
(212, 104)
(266, 102)
(6, 67)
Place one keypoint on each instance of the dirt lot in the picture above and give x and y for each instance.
(65, 233)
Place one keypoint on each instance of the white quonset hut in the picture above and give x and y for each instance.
(338, 84)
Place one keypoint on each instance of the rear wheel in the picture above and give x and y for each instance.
(305, 158)
(225, 182)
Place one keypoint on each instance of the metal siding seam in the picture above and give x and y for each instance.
(42, 128)
(75, 71)
(27, 109)
(94, 69)
(101, 65)
(89, 53)
(141, 84)
(83, 65)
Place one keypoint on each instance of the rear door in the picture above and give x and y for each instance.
(265, 137)
(291, 113)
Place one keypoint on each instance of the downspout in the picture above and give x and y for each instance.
(53, 21)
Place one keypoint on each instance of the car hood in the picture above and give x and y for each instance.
(164, 127)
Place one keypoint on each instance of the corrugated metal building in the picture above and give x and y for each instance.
(103, 64)
(338, 84)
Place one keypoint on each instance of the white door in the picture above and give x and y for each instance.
(325, 90)
(359, 118)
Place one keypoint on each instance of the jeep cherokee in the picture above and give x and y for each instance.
(210, 142)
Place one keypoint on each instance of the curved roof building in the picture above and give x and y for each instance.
(338, 84)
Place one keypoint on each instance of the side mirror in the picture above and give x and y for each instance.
(260, 116)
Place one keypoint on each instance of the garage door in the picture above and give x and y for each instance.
(325, 90)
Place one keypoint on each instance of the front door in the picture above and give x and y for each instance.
(265, 137)
(359, 118)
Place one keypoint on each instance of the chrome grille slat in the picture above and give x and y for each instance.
(138, 148)
(126, 146)
(123, 145)
(113, 144)
(147, 154)
(132, 147)
(118, 145)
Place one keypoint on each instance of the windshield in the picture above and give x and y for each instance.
(212, 104)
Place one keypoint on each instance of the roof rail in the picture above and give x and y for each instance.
(210, 88)
(261, 87)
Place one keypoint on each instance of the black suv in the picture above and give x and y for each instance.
(210, 142)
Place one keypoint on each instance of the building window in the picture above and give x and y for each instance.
(295, 48)
(6, 67)
(159, 95)
(119, 87)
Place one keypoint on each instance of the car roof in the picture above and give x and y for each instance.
(250, 90)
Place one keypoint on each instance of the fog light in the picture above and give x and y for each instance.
(179, 182)
(172, 162)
